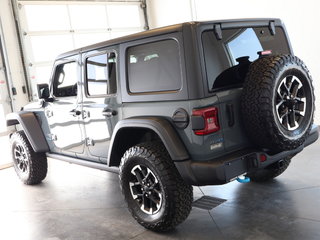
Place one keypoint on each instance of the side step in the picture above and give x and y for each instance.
(85, 163)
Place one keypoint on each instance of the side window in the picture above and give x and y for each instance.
(154, 67)
(65, 80)
(101, 74)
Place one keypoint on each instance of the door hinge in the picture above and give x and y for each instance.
(49, 113)
(52, 137)
(218, 31)
(272, 28)
(89, 142)
(85, 114)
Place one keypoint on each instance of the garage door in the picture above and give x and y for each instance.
(5, 106)
(50, 28)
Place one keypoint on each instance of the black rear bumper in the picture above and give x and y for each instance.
(228, 168)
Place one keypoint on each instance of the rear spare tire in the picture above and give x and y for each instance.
(278, 102)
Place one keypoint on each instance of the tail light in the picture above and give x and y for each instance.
(205, 121)
(263, 158)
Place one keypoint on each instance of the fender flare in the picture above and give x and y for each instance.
(161, 127)
(31, 127)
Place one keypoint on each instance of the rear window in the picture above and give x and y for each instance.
(154, 67)
(227, 60)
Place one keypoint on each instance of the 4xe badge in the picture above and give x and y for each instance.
(217, 143)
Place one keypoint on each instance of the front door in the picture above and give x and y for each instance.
(99, 101)
(65, 114)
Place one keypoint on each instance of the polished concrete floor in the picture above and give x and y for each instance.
(5, 156)
(78, 203)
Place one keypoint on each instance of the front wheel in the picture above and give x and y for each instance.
(155, 193)
(31, 167)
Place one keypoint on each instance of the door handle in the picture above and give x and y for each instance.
(109, 112)
(75, 112)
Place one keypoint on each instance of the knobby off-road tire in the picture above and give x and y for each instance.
(155, 193)
(31, 167)
(278, 102)
(270, 172)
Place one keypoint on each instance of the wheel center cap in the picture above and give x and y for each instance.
(291, 103)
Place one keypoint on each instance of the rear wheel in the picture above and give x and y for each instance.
(270, 172)
(31, 167)
(155, 193)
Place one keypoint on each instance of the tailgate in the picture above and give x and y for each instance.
(231, 121)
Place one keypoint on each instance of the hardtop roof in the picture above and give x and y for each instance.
(173, 28)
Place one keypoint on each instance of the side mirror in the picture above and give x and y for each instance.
(43, 91)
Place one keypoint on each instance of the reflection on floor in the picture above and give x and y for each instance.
(80, 203)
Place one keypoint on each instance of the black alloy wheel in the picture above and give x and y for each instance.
(30, 166)
(146, 189)
(154, 191)
(290, 103)
(20, 159)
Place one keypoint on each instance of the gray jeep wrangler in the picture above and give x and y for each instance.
(198, 103)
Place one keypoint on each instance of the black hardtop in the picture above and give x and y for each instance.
(230, 23)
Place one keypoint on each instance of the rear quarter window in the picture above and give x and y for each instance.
(154, 67)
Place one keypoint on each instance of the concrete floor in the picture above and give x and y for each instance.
(80, 203)
(5, 156)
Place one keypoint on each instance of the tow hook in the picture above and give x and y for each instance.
(243, 179)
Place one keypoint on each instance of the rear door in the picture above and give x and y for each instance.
(227, 61)
(100, 105)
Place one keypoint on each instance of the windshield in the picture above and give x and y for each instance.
(227, 60)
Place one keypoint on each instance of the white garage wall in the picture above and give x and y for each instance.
(53, 27)
(10, 41)
(300, 18)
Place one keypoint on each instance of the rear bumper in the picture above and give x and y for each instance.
(228, 168)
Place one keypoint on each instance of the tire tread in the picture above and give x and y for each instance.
(38, 165)
(256, 103)
(180, 194)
